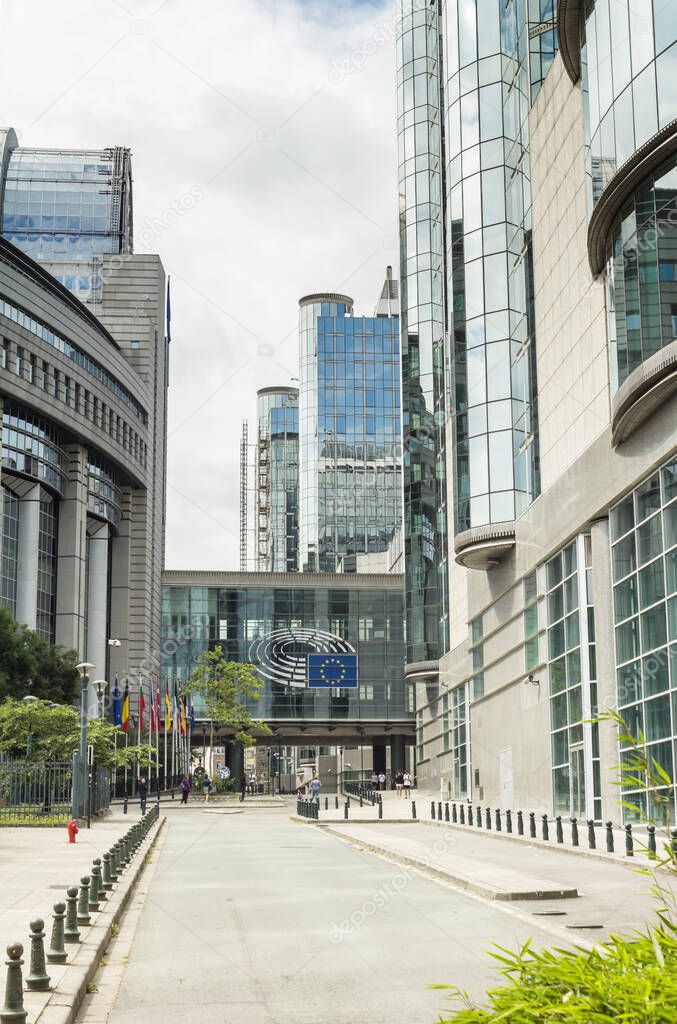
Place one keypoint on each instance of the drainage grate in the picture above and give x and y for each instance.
(549, 913)
(581, 926)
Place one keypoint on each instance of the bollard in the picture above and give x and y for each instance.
(487, 818)
(470, 821)
(114, 867)
(592, 844)
(508, 821)
(439, 810)
(520, 823)
(545, 832)
(532, 825)
(13, 1011)
(38, 979)
(345, 810)
(93, 888)
(71, 933)
(574, 832)
(361, 804)
(336, 799)
(413, 809)
(498, 819)
(107, 881)
(83, 902)
(453, 813)
(326, 803)
(100, 892)
(380, 809)
(609, 837)
(124, 806)
(651, 848)
(462, 815)
(629, 845)
(559, 833)
(432, 809)
(56, 954)
(446, 812)
(479, 817)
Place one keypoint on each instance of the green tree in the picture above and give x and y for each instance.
(55, 733)
(25, 655)
(226, 687)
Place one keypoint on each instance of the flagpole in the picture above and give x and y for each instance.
(164, 722)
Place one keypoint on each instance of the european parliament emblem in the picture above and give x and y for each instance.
(332, 670)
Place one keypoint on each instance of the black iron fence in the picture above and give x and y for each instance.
(35, 793)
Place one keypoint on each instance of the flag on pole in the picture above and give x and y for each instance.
(142, 708)
(124, 717)
(151, 719)
(168, 710)
(183, 715)
(117, 704)
(177, 712)
(192, 714)
(158, 709)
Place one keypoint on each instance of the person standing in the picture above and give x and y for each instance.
(143, 793)
(399, 782)
(374, 780)
(207, 787)
(406, 784)
(315, 787)
(382, 780)
(243, 786)
(185, 789)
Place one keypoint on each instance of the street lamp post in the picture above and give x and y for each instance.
(79, 791)
(29, 699)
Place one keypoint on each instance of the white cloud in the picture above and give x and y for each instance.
(307, 206)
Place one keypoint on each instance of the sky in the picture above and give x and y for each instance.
(264, 161)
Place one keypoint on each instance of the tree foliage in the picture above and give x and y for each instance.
(55, 734)
(226, 687)
(25, 655)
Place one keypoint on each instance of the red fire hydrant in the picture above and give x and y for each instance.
(72, 830)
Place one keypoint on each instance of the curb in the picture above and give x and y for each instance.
(68, 993)
(326, 822)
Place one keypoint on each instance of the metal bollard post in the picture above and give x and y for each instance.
(124, 806)
(498, 819)
(470, 821)
(106, 880)
(93, 889)
(439, 810)
(508, 821)
(453, 813)
(446, 812)
(487, 818)
(574, 832)
(361, 804)
(100, 892)
(432, 809)
(38, 979)
(413, 809)
(13, 1011)
(532, 825)
(629, 845)
(326, 803)
(345, 810)
(336, 799)
(592, 843)
(651, 848)
(520, 823)
(609, 837)
(545, 832)
(479, 817)
(559, 832)
(380, 809)
(56, 954)
(83, 902)
(462, 815)
(70, 932)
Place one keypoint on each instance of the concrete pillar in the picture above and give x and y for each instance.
(397, 754)
(379, 757)
(27, 560)
(119, 657)
(72, 554)
(606, 666)
(236, 761)
(97, 608)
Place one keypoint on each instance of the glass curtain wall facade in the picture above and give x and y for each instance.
(644, 571)
(68, 208)
(277, 480)
(235, 618)
(349, 426)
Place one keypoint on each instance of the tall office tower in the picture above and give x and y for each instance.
(98, 397)
(277, 480)
(349, 429)
(539, 248)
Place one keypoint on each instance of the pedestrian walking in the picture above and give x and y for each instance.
(185, 789)
(382, 780)
(399, 783)
(243, 786)
(206, 787)
(374, 780)
(315, 787)
(143, 793)
(406, 785)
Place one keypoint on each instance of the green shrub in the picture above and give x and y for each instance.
(633, 981)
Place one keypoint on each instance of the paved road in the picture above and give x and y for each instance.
(243, 918)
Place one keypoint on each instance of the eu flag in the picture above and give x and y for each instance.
(332, 670)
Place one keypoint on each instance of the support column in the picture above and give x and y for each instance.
(236, 762)
(606, 666)
(379, 757)
(97, 609)
(120, 598)
(72, 554)
(27, 560)
(397, 754)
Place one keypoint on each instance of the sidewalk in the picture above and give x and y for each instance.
(611, 896)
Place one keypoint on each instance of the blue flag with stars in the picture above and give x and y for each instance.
(332, 670)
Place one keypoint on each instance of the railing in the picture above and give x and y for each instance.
(362, 791)
(35, 793)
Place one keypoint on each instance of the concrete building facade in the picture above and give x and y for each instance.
(558, 258)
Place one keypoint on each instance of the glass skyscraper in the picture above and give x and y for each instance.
(67, 208)
(349, 429)
(277, 480)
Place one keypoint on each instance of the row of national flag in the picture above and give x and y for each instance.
(179, 712)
